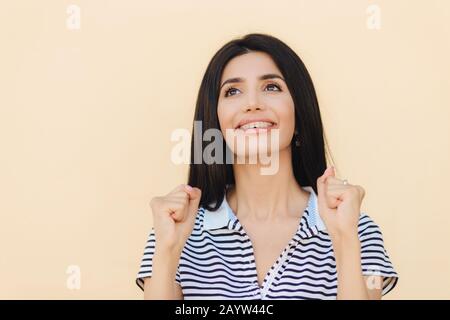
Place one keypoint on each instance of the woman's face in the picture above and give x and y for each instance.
(252, 89)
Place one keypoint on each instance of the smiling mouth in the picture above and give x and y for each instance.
(257, 125)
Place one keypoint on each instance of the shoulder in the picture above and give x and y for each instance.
(200, 214)
(367, 225)
(199, 221)
(369, 232)
(375, 259)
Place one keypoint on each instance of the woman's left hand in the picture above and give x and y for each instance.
(339, 205)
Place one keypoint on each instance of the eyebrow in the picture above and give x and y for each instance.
(263, 77)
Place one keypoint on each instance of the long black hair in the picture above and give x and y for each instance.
(308, 160)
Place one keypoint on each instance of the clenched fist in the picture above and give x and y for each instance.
(174, 217)
(339, 204)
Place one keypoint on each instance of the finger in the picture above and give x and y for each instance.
(333, 181)
(175, 209)
(177, 189)
(336, 193)
(359, 191)
(332, 197)
(321, 182)
(338, 187)
(362, 192)
(332, 202)
(195, 195)
(342, 192)
(181, 195)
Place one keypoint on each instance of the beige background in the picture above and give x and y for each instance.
(86, 117)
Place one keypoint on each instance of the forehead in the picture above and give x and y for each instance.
(249, 65)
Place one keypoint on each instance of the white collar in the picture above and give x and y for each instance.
(311, 223)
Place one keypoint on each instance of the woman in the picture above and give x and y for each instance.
(235, 233)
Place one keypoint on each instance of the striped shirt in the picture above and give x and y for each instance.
(217, 261)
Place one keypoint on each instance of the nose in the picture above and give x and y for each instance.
(253, 102)
(252, 107)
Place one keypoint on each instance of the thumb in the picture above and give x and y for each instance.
(195, 194)
(322, 180)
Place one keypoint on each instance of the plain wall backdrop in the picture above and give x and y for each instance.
(89, 99)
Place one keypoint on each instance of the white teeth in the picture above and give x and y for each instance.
(254, 125)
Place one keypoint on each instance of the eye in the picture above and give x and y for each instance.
(272, 85)
(227, 92)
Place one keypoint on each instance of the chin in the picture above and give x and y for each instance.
(256, 154)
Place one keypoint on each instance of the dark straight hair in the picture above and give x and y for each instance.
(308, 160)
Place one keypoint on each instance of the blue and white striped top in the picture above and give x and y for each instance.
(217, 261)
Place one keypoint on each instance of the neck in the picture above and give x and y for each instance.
(267, 198)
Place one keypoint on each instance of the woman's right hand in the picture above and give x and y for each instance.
(174, 217)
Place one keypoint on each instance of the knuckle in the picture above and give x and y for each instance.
(175, 190)
(357, 190)
(362, 191)
(354, 190)
(154, 201)
(177, 206)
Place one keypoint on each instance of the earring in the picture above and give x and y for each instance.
(297, 139)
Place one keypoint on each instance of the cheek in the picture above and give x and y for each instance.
(286, 117)
(225, 114)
